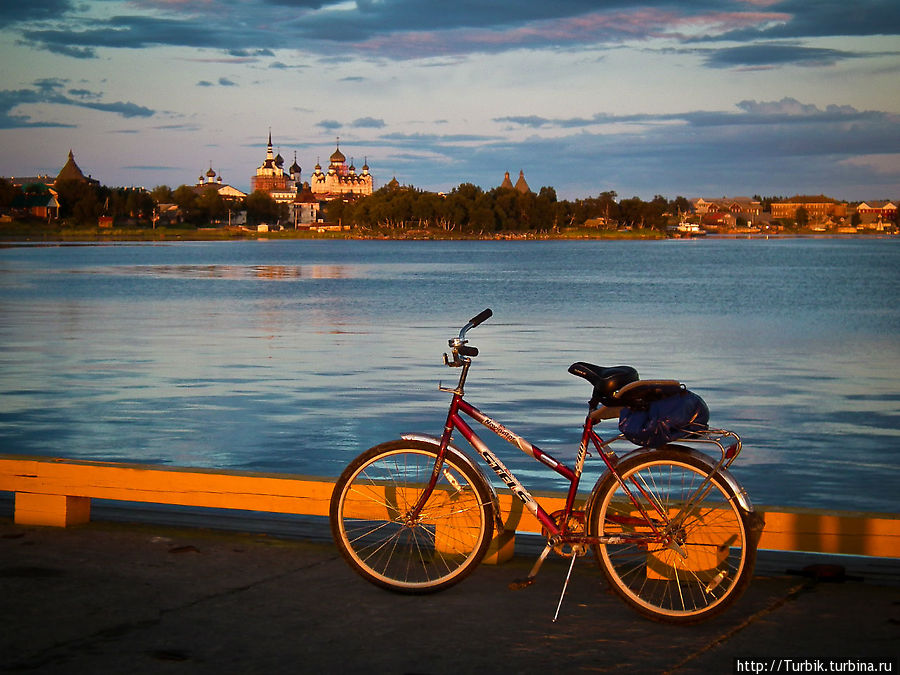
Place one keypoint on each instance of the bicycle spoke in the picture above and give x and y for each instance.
(699, 550)
(387, 543)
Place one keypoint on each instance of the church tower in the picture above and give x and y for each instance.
(270, 176)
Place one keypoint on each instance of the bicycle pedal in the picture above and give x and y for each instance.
(519, 584)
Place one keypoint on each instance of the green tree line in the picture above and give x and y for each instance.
(469, 208)
(210, 207)
(466, 209)
(82, 203)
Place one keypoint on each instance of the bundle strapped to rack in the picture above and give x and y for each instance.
(664, 420)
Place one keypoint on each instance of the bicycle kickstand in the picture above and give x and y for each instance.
(519, 584)
(565, 586)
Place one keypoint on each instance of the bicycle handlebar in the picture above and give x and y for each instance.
(475, 321)
(484, 316)
(458, 344)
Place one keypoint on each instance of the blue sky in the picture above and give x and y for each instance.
(643, 97)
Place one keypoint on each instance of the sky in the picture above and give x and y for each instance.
(685, 98)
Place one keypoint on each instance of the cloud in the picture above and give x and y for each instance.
(48, 90)
(84, 93)
(763, 147)
(437, 139)
(790, 108)
(49, 84)
(329, 124)
(825, 18)
(750, 112)
(119, 107)
(771, 55)
(222, 82)
(178, 127)
(251, 52)
(11, 99)
(406, 29)
(135, 32)
(33, 10)
(368, 123)
(306, 4)
(68, 50)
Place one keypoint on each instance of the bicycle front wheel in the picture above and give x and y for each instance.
(696, 558)
(370, 520)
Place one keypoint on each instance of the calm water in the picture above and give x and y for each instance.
(295, 356)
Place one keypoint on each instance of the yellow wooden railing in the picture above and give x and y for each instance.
(58, 492)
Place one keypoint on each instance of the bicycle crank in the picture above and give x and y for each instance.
(575, 526)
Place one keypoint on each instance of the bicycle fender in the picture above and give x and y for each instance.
(462, 457)
(741, 494)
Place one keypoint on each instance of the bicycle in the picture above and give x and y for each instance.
(674, 533)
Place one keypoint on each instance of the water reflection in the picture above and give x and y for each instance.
(234, 272)
(189, 354)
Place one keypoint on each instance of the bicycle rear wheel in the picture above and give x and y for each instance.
(704, 558)
(370, 524)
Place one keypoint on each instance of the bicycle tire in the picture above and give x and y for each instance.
(710, 563)
(368, 518)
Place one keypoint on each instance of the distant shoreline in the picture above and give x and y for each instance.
(17, 233)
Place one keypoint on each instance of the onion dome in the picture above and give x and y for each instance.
(337, 157)
(295, 168)
(279, 160)
(211, 173)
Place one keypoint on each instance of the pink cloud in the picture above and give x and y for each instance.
(598, 28)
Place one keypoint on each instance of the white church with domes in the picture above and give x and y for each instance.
(340, 181)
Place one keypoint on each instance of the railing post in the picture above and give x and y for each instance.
(54, 510)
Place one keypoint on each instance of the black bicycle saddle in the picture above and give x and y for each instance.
(606, 380)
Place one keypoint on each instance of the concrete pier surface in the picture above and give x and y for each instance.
(127, 598)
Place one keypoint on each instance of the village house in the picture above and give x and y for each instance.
(877, 215)
(884, 210)
(819, 210)
(729, 212)
(40, 197)
(213, 180)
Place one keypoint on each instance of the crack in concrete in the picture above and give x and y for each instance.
(790, 596)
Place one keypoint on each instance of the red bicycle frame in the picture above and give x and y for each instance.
(455, 421)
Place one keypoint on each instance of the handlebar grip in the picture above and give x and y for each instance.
(467, 351)
(484, 316)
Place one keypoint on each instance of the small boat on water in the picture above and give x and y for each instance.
(686, 229)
